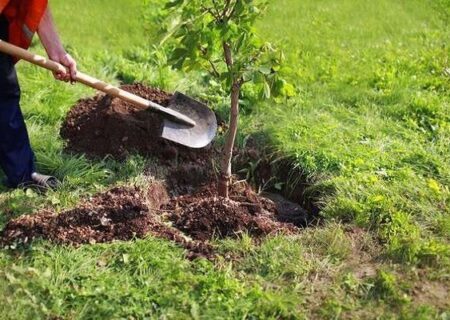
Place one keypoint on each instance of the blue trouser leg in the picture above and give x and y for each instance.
(16, 155)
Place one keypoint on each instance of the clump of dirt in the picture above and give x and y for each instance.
(103, 125)
(127, 213)
(188, 178)
(204, 216)
(118, 214)
(219, 217)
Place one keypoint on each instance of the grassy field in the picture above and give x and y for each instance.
(369, 130)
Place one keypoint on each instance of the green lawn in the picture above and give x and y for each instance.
(372, 115)
(369, 129)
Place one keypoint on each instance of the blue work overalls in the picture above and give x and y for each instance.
(16, 155)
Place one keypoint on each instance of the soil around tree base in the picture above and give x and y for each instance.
(204, 215)
(127, 213)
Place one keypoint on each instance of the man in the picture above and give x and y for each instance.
(19, 20)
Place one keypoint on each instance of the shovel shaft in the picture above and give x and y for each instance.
(92, 82)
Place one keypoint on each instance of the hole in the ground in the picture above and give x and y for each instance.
(282, 181)
(273, 180)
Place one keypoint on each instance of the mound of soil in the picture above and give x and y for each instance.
(128, 213)
(119, 214)
(103, 125)
(204, 216)
(187, 178)
(219, 217)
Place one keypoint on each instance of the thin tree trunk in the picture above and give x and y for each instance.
(227, 155)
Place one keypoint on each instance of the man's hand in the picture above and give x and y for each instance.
(67, 61)
(50, 40)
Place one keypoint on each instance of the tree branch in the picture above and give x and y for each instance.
(232, 10)
(215, 71)
(228, 56)
(211, 12)
(216, 6)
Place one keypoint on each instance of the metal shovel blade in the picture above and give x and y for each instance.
(197, 136)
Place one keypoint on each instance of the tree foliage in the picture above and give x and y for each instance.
(198, 31)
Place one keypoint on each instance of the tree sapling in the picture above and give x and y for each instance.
(219, 36)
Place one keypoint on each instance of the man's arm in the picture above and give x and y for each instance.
(55, 51)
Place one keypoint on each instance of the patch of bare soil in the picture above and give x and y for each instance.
(128, 213)
(188, 178)
(432, 293)
(106, 126)
(268, 169)
(204, 215)
(118, 214)
(362, 259)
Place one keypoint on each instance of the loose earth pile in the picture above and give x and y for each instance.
(103, 125)
(128, 213)
(204, 215)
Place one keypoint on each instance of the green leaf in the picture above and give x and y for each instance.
(173, 3)
(178, 64)
(247, 76)
(267, 90)
(288, 90)
(178, 53)
(283, 88)
(265, 70)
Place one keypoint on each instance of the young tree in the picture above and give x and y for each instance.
(219, 36)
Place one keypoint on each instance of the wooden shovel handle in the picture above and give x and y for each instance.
(92, 82)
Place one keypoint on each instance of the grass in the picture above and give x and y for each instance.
(369, 128)
(372, 115)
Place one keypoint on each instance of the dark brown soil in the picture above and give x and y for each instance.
(129, 213)
(119, 214)
(103, 125)
(188, 178)
(204, 216)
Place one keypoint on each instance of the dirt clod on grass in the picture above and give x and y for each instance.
(103, 125)
(126, 213)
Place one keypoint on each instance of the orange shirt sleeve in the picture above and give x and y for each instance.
(24, 17)
(3, 4)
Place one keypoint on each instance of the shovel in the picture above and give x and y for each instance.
(186, 121)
